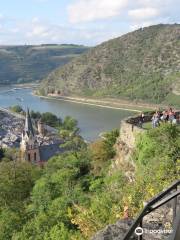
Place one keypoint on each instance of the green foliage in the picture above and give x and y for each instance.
(35, 115)
(11, 154)
(103, 151)
(17, 109)
(172, 100)
(9, 222)
(54, 193)
(100, 156)
(70, 124)
(159, 150)
(41, 92)
(74, 143)
(77, 194)
(69, 131)
(16, 182)
(110, 140)
(57, 232)
(161, 142)
(50, 119)
(142, 65)
(47, 118)
(21, 64)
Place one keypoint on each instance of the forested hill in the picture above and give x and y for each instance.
(19, 64)
(144, 64)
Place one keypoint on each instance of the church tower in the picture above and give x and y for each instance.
(29, 146)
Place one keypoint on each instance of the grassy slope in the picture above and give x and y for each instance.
(29, 63)
(142, 65)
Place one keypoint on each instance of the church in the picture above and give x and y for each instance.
(33, 150)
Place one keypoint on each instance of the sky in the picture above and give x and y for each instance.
(86, 22)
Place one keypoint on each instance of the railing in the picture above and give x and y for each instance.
(155, 203)
(176, 230)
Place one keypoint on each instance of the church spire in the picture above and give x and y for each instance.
(29, 147)
(28, 124)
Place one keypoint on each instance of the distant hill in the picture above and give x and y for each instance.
(143, 65)
(19, 64)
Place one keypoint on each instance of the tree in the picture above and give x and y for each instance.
(67, 200)
(10, 154)
(74, 143)
(51, 119)
(70, 124)
(17, 109)
(52, 196)
(157, 158)
(103, 151)
(100, 156)
(35, 115)
(16, 182)
(109, 141)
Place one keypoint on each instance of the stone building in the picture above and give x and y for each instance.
(29, 146)
(33, 150)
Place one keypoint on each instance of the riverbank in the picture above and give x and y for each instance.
(26, 85)
(110, 103)
(89, 102)
(20, 86)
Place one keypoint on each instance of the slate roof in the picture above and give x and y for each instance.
(28, 125)
(48, 151)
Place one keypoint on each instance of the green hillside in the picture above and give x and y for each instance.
(19, 64)
(143, 65)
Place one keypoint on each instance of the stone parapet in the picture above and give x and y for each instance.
(128, 133)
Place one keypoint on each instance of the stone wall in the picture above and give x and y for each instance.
(128, 133)
(130, 128)
(125, 145)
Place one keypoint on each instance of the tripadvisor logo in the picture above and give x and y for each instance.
(139, 231)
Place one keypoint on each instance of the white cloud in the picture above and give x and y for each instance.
(90, 10)
(38, 30)
(130, 15)
(35, 20)
(143, 13)
(1, 16)
(155, 3)
(14, 30)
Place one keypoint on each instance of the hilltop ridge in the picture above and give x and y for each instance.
(29, 63)
(141, 65)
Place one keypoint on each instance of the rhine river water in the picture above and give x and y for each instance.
(92, 120)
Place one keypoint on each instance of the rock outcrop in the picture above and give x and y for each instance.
(156, 225)
(125, 145)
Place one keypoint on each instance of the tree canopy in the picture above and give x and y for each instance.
(76, 194)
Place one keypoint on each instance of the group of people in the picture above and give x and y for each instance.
(166, 116)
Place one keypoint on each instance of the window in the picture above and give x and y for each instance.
(35, 156)
(29, 157)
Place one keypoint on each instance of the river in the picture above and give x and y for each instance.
(92, 120)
